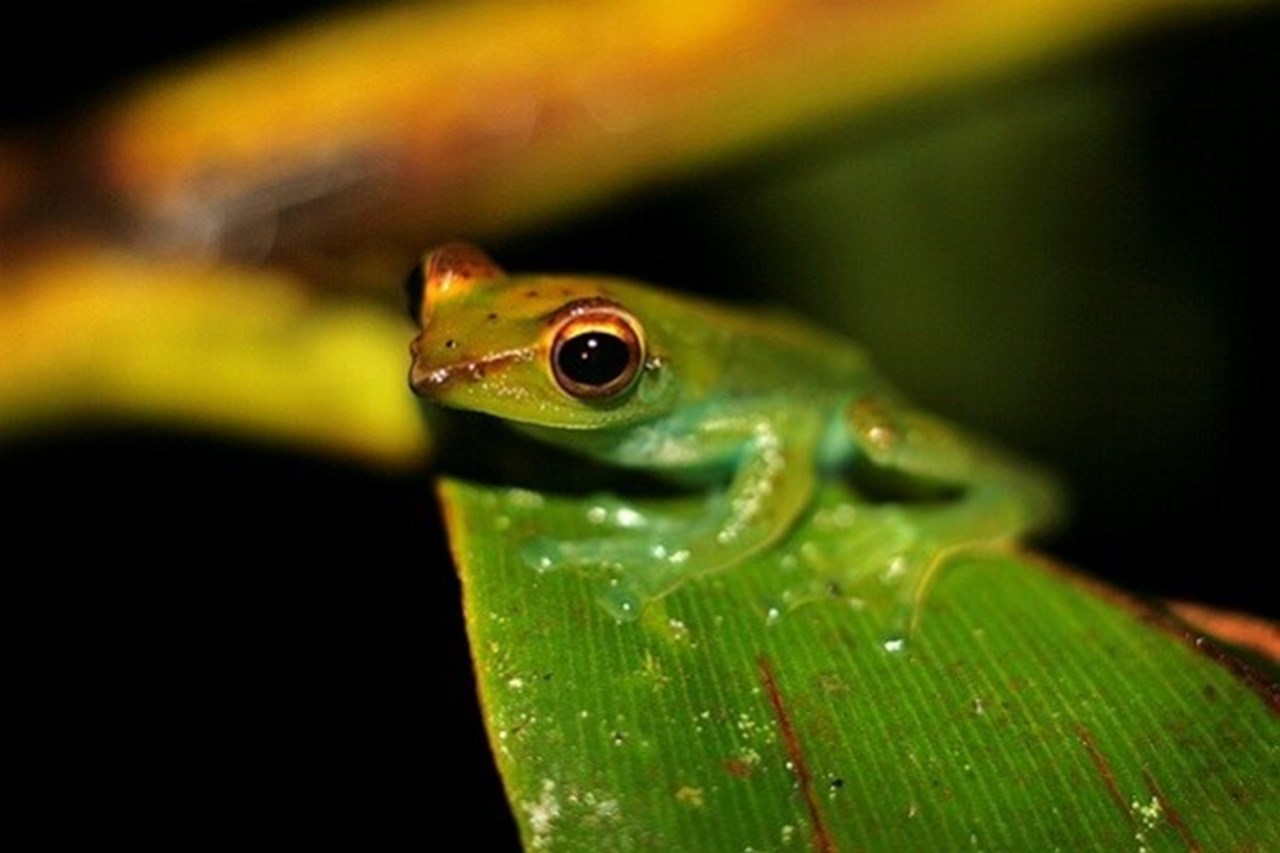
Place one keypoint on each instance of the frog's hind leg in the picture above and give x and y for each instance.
(942, 536)
(991, 500)
(1014, 495)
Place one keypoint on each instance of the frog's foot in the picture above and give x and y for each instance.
(623, 535)
(910, 575)
(907, 579)
(884, 558)
(631, 569)
(607, 554)
(639, 552)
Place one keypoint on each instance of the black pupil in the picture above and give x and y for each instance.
(594, 358)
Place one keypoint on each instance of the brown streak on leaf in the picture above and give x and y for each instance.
(1267, 691)
(1175, 819)
(1104, 770)
(795, 753)
(1172, 624)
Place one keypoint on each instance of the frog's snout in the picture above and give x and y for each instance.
(430, 376)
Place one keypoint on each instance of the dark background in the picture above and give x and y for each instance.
(215, 638)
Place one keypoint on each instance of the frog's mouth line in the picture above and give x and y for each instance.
(426, 380)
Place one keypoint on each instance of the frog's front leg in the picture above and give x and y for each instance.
(644, 552)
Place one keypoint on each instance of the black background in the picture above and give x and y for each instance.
(214, 639)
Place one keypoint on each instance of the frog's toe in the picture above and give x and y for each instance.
(545, 554)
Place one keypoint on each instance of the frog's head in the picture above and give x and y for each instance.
(547, 350)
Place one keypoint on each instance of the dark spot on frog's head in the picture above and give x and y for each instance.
(836, 783)
(566, 291)
(532, 294)
(492, 316)
(450, 344)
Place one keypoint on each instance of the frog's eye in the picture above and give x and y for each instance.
(597, 353)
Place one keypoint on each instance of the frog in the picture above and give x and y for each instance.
(754, 408)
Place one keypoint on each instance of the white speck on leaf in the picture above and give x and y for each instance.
(690, 796)
(543, 813)
(894, 571)
(629, 518)
(1149, 815)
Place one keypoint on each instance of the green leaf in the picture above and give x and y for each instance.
(1027, 710)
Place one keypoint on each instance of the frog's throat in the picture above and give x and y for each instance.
(427, 379)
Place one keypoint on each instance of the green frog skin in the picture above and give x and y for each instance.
(754, 406)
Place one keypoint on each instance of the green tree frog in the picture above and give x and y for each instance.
(757, 405)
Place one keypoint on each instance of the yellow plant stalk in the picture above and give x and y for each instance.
(417, 121)
(89, 334)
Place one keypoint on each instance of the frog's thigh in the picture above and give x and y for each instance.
(773, 484)
(998, 489)
(907, 440)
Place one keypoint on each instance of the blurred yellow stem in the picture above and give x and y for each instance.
(91, 334)
(415, 122)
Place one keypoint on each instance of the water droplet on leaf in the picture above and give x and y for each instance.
(621, 603)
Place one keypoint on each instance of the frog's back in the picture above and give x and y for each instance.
(773, 348)
(753, 350)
